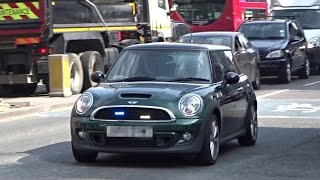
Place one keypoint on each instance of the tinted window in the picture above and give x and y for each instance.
(221, 40)
(73, 12)
(161, 64)
(307, 18)
(222, 63)
(264, 30)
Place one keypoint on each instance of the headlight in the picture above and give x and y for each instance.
(84, 103)
(190, 104)
(275, 54)
(312, 42)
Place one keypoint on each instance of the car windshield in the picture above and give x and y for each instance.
(307, 18)
(212, 39)
(264, 30)
(161, 65)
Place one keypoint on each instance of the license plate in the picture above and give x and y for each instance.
(130, 131)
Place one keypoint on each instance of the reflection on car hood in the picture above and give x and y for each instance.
(146, 93)
(268, 45)
(311, 33)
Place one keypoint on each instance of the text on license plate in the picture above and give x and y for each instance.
(130, 131)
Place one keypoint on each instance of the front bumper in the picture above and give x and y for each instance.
(314, 54)
(167, 137)
(272, 67)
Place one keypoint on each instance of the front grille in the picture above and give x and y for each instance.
(262, 55)
(131, 113)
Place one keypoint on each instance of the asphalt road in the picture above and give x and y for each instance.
(288, 145)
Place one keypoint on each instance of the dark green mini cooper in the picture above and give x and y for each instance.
(166, 98)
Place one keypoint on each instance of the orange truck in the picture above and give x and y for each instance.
(30, 30)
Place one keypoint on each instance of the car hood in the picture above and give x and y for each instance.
(157, 94)
(268, 45)
(311, 33)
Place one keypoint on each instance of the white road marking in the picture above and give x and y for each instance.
(309, 84)
(273, 93)
(286, 117)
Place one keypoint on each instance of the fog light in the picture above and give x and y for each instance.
(186, 136)
(82, 134)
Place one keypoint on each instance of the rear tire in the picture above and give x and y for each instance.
(257, 80)
(91, 62)
(84, 156)
(76, 73)
(250, 138)
(211, 145)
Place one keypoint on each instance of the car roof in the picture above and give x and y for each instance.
(215, 33)
(189, 46)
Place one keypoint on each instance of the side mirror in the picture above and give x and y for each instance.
(97, 77)
(230, 78)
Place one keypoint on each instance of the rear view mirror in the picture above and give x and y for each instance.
(97, 77)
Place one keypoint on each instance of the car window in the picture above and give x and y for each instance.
(238, 44)
(293, 30)
(244, 41)
(162, 64)
(222, 62)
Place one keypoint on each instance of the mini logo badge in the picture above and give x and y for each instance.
(132, 102)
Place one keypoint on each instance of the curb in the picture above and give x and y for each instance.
(27, 111)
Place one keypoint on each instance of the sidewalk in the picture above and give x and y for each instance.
(12, 108)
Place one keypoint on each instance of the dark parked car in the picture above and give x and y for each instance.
(245, 54)
(166, 98)
(282, 47)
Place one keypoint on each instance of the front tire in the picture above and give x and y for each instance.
(285, 75)
(250, 138)
(84, 156)
(257, 80)
(211, 145)
(305, 70)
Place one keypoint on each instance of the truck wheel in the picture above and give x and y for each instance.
(91, 62)
(111, 55)
(76, 73)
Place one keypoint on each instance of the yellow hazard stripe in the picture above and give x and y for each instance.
(83, 29)
(36, 5)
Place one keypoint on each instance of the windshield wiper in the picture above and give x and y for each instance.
(273, 37)
(189, 79)
(138, 78)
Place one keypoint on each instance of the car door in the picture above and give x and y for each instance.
(252, 57)
(296, 45)
(232, 96)
(241, 56)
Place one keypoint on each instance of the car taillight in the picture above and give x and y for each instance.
(42, 51)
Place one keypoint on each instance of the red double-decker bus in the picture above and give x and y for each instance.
(217, 15)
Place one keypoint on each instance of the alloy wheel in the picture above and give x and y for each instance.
(254, 123)
(214, 140)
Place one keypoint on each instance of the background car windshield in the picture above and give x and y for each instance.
(221, 40)
(264, 30)
(163, 64)
(307, 18)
